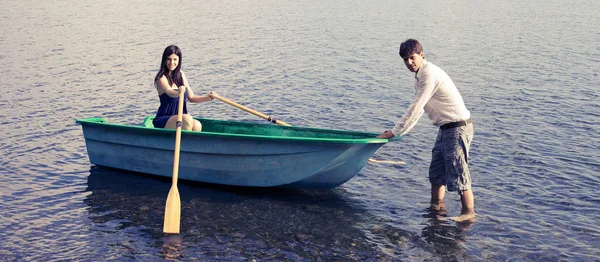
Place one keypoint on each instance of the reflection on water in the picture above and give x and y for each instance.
(234, 223)
(228, 222)
(445, 235)
(322, 64)
(172, 247)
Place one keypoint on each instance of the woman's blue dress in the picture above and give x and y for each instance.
(168, 108)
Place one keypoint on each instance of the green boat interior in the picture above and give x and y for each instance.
(247, 128)
(225, 127)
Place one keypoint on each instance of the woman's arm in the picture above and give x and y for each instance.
(191, 96)
(162, 86)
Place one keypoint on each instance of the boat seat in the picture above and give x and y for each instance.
(148, 122)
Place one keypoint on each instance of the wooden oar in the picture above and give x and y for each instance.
(279, 122)
(371, 160)
(268, 118)
(173, 206)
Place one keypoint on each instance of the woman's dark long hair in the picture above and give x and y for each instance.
(175, 76)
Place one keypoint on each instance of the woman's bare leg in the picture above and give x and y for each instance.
(197, 126)
(188, 122)
(172, 122)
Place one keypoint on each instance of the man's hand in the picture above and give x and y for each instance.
(387, 134)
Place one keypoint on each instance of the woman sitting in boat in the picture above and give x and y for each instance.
(169, 81)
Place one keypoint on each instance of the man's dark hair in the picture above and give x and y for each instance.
(409, 47)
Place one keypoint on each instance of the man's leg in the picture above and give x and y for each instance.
(437, 197)
(466, 197)
(437, 176)
(468, 202)
(468, 207)
(438, 192)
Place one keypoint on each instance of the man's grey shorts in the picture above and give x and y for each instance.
(450, 158)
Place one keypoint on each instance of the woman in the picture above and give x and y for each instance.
(169, 81)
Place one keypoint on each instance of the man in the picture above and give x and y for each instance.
(436, 95)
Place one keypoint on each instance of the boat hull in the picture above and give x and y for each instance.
(255, 155)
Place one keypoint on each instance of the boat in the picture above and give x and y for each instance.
(234, 153)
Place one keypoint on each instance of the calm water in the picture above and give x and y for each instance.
(528, 70)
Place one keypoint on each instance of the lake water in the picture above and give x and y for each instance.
(528, 71)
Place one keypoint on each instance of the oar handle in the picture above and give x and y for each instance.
(178, 126)
(252, 111)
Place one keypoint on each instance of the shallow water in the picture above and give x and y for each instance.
(528, 71)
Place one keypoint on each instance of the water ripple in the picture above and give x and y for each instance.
(534, 102)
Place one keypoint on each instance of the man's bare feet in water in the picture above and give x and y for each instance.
(438, 208)
(467, 215)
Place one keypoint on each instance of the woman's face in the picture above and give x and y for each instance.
(172, 62)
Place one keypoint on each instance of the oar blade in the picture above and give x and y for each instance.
(371, 160)
(172, 212)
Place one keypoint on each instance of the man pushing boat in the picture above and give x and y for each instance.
(436, 95)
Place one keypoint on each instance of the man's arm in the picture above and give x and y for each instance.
(425, 91)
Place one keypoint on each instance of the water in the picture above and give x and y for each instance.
(528, 71)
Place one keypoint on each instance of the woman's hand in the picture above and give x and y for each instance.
(181, 89)
(212, 95)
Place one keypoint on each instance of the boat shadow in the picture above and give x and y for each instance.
(214, 219)
(133, 182)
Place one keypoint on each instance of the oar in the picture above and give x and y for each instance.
(173, 207)
(279, 122)
(387, 162)
(268, 118)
